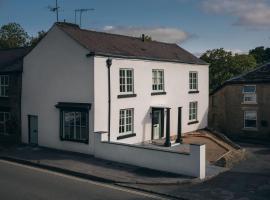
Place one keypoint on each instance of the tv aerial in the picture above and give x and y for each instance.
(81, 11)
(55, 9)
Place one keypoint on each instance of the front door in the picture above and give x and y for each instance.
(157, 123)
(33, 129)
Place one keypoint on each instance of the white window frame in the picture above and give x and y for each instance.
(251, 95)
(123, 81)
(6, 117)
(126, 121)
(75, 126)
(4, 85)
(245, 113)
(193, 111)
(193, 81)
(158, 84)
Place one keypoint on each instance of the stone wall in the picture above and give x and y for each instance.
(226, 111)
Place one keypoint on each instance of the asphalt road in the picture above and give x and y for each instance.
(27, 183)
(249, 180)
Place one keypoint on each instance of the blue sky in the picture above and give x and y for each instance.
(196, 25)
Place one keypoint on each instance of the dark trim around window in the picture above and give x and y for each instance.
(126, 136)
(158, 93)
(193, 92)
(120, 96)
(193, 122)
(79, 107)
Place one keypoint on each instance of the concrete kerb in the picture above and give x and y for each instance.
(93, 177)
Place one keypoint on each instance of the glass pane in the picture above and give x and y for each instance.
(84, 135)
(249, 89)
(250, 123)
(83, 119)
(78, 118)
(78, 133)
(250, 115)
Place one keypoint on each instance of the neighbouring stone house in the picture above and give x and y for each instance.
(240, 108)
(11, 61)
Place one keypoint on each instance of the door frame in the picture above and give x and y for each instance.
(29, 129)
(162, 122)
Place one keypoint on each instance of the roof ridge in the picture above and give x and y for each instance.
(113, 34)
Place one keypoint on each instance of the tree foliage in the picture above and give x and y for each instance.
(35, 40)
(261, 54)
(12, 35)
(224, 65)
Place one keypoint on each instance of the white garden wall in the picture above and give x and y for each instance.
(192, 164)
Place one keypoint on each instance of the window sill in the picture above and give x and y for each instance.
(249, 103)
(78, 141)
(120, 96)
(250, 129)
(193, 122)
(158, 93)
(126, 136)
(193, 92)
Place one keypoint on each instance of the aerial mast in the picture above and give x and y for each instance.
(81, 11)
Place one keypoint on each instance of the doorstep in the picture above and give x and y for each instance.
(89, 167)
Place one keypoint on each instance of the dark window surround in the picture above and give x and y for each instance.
(126, 136)
(120, 96)
(193, 92)
(193, 122)
(79, 107)
(158, 93)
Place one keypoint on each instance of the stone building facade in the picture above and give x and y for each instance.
(240, 108)
(11, 65)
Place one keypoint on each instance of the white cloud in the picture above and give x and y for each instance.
(163, 34)
(250, 13)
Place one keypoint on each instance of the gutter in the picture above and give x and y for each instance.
(142, 58)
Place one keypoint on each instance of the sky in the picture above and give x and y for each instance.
(196, 25)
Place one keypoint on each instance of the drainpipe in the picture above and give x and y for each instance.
(179, 128)
(109, 64)
(168, 139)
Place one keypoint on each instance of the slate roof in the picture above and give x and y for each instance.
(259, 75)
(12, 59)
(106, 44)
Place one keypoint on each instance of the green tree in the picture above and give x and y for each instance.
(224, 65)
(35, 40)
(12, 35)
(261, 54)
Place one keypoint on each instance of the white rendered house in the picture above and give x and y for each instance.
(77, 82)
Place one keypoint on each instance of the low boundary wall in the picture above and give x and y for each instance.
(191, 164)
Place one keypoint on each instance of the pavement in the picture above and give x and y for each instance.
(249, 180)
(89, 167)
(28, 183)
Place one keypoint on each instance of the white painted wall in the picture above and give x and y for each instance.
(192, 164)
(56, 70)
(176, 77)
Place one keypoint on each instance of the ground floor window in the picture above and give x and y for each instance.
(75, 125)
(193, 110)
(4, 118)
(126, 121)
(250, 119)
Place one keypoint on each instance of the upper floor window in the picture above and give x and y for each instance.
(250, 119)
(158, 80)
(193, 111)
(4, 117)
(126, 81)
(126, 121)
(4, 85)
(249, 92)
(193, 81)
